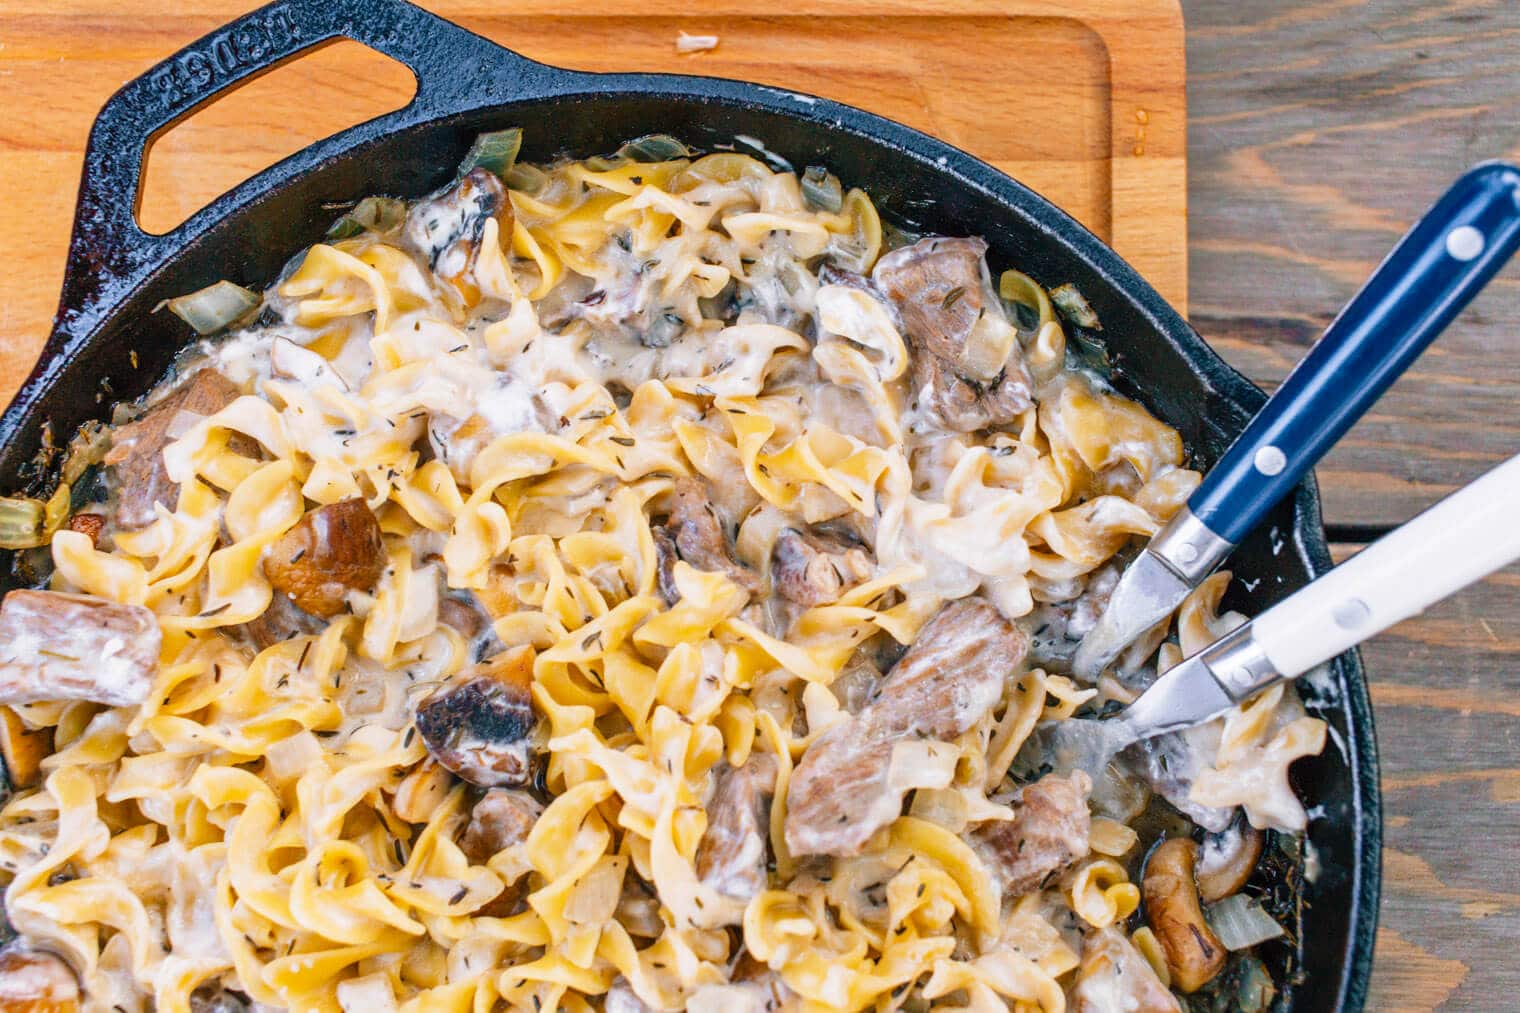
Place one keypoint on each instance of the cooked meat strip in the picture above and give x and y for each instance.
(952, 675)
(447, 229)
(733, 854)
(940, 290)
(136, 457)
(35, 980)
(1046, 835)
(963, 405)
(503, 817)
(88, 524)
(699, 537)
(815, 567)
(936, 286)
(1114, 976)
(331, 551)
(282, 620)
(56, 646)
(665, 557)
(478, 723)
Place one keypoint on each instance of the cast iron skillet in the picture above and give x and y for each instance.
(106, 344)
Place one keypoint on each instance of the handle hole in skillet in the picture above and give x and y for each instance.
(241, 132)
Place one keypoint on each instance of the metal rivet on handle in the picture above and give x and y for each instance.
(1270, 460)
(1351, 613)
(1464, 242)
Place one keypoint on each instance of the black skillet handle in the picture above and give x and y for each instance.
(110, 253)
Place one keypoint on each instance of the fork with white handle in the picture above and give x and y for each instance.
(1460, 540)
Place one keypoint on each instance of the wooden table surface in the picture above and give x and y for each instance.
(1317, 132)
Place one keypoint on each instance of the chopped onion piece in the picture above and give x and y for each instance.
(375, 214)
(525, 178)
(821, 190)
(22, 523)
(496, 151)
(214, 307)
(655, 148)
(1074, 307)
(1240, 923)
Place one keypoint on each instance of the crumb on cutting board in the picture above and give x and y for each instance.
(686, 43)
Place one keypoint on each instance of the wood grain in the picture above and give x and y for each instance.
(1104, 137)
(1318, 132)
(1446, 699)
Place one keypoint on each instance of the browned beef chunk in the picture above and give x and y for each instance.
(331, 551)
(963, 405)
(952, 675)
(282, 620)
(815, 567)
(1114, 976)
(447, 229)
(478, 724)
(136, 457)
(35, 980)
(940, 289)
(503, 817)
(699, 537)
(733, 855)
(56, 646)
(1047, 834)
(936, 286)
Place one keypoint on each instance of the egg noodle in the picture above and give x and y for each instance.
(240, 826)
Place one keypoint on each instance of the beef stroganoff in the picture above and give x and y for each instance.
(625, 583)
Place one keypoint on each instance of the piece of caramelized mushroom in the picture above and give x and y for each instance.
(331, 551)
(1227, 859)
(478, 724)
(1193, 953)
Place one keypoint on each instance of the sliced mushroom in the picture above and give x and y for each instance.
(57, 646)
(479, 723)
(1193, 953)
(136, 457)
(331, 551)
(35, 981)
(815, 567)
(282, 620)
(23, 749)
(462, 611)
(699, 537)
(1227, 859)
(665, 557)
(1048, 833)
(447, 229)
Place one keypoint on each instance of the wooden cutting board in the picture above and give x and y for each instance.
(1083, 100)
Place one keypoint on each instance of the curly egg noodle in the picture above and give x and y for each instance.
(240, 826)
